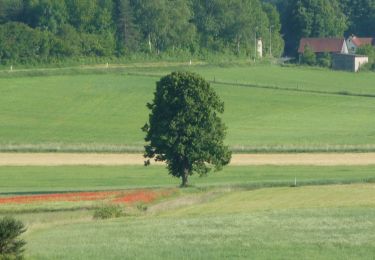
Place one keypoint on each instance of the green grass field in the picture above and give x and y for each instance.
(104, 112)
(312, 233)
(226, 215)
(242, 212)
(319, 222)
(48, 179)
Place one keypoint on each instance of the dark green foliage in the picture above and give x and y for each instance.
(311, 18)
(361, 16)
(105, 28)
(325, 60)
(184, 128)
(308, 57)
(11, 247)
(234, 24)
(277, 47)
(127, 32)
(20, 43)
(108, 211)
(369, 51)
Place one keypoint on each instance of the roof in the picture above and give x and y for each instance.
(322, 44)
(362, 41)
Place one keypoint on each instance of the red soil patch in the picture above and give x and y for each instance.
(131, 197)
(145, 196)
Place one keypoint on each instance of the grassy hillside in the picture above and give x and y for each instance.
(297, 78)
(333, 222)
(104, 112)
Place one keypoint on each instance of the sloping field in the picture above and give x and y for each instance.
(333, 222)
(104, 112)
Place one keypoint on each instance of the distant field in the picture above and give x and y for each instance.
(298, 78)
(82, 178)
(104, 112)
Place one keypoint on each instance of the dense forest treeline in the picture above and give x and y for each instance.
(48, 30)
(33, 31)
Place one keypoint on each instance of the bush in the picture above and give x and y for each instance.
(142, 207)
(367, 50)
(11, 247)
(325, 60)
(308, 56)
(108, 211)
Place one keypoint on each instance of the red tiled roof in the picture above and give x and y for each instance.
(322, 44)
(362, 41)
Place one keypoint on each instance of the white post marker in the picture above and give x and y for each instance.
(11, 67)
(190, 63)
(107, 65)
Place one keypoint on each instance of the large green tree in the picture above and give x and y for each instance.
(126, 30)
(184, 127)
(275, 42)
(164, 23)
(234, 24)
(312, 18)
(361, 16)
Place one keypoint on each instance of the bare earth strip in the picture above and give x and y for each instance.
(60, 159)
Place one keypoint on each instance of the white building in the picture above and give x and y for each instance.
(354, 42)
(348, 62)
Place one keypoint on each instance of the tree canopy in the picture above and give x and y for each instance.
(184, 127)
(109, 28)
(311, 18)
(73, 29)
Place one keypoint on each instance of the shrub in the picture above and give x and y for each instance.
(11, 247)
(108, 211)
(325, 60)
(142, 207)
(308, 57)
(367, 50)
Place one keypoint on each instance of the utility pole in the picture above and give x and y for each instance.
(271, 26)
(256, 44)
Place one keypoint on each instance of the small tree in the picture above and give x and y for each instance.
(10, 245)
(308, 56)
(368, 50)
(184, 129)
(325, 60)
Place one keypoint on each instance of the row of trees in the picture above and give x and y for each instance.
(41, 30)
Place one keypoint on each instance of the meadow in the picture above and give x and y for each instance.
(34, 180)
(104, 111)
(242, 212)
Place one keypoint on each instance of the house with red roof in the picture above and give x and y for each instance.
(324, 45)
(354, 42)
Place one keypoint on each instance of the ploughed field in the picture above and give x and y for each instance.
(268, 108)
(242, 212)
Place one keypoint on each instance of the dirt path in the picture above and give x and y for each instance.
(59, 159)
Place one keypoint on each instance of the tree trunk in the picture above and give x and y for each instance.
(185, 177)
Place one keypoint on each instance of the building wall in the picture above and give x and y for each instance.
(345, 48)
(348, 62)
(352, 48)
(359, 62)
